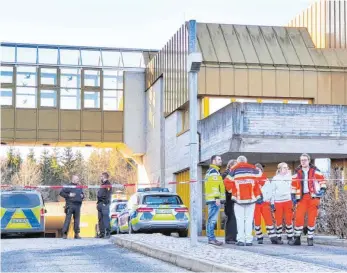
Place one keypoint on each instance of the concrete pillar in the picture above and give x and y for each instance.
(199, 202)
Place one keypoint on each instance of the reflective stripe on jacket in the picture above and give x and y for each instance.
(214, 186)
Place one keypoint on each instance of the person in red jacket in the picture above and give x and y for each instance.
(308, 186)
(243, 184)
(263, 209)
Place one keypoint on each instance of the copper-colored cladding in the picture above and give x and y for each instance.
(326, 21)
(256, 61)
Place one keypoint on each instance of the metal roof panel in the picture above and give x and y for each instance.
(273, 46)
(260, 45)
(219, 44)
(206, 44)
(300, 47)
(246, 44)
(233, 44)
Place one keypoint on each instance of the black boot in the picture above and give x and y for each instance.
(279, 241)
(295, 242)
(310, 241)
(274, 240)
(64, 236)
(77, 236)
(107, 235)
(289, 240)
(101, 235)
(260, 241)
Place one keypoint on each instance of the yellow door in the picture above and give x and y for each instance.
(183, 190)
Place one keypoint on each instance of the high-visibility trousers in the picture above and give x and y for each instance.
(263, 210)
(284, 210)
(310, 206)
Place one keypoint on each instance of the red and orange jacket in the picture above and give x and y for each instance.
(316, 181)
(243, 183)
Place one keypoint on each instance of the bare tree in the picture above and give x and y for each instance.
(4, 172)
(29, 174)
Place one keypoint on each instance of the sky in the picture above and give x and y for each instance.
(129, 23)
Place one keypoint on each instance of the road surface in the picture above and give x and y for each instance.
(85, 255)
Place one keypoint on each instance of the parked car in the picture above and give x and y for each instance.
(154, 211)
(22, 212)
(115, 210)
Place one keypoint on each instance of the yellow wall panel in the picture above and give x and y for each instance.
(338, 88)
(241, 81)
(91, 120)
(7, 118)
(113, 137)
(70, 120)
(310, 84)
(26, 118)
(49, 135)
(49, 119)
(91, 136)
(296, 83)
(70, 136)
(113, 121)
(29, 135)
(202, 81)
(324, 88)
(269, 82)
(212, 81)
(254, 82)
(227, 81)
(282, 83)
(7, 134)
(183, 190)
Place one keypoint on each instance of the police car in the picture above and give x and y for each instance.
(22, 212)
(153, 210)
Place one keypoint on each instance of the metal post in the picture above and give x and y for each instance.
(193, 106)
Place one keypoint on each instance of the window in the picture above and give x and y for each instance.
(26, 55)
(26, 76)
(132, 59)
(26, 97)
(91, 57)
(8, 54)
(6, 74)
(70, 98)
(48, 76)
(48, 56)
(92, 78)
(48, 98)
(162, 200)
(120, 207)
(185, 120)
(111, 58)
(113, 100)
(70, 78)
(6, 96)
(20, 200)
(71, 57)
(91, 99)
(113, 79)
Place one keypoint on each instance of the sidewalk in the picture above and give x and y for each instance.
(208, 258)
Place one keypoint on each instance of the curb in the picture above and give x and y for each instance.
(190, 263)
(341, 243)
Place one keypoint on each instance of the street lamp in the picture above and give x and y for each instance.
(194, 62)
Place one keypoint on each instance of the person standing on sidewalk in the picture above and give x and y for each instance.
(214, 195)
(103, 206)
(230, 225)
(263, 209)
(308, 186)
(281, 202)
(243, 184)
(73, 198)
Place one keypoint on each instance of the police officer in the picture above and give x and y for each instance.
(103, 206)
(73, 198)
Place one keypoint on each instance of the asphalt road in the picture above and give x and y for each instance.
(85, 255)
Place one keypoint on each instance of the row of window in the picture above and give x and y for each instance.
(26, 97)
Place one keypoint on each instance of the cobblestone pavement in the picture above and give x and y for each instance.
(85, 255)
(266, 258)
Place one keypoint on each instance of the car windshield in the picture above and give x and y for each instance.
(19, 200)
(120, 207)
(162, 200)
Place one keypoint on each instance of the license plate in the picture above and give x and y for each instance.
(163, 211)
(18, 221)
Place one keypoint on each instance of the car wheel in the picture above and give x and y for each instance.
(130, 228)
(183, 233)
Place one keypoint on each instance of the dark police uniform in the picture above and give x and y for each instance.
(103, 206)
(72, 207)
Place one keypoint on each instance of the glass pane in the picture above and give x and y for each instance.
(111, 58)
(26, 55)
(6, 96)
(91, 57)
(26, 76)
(26, 97)
(6, 74)
(92, 78)
(91, 99)
(48, 56)
(48, 98)
(68, 56)
(70, 98)
(70, 78)
(113, 79)
(113, 100)
(49, 76)
(8, 54)
(132, 59)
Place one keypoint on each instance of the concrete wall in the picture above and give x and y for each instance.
(275, 128)
(134, 109)
(153, 158)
